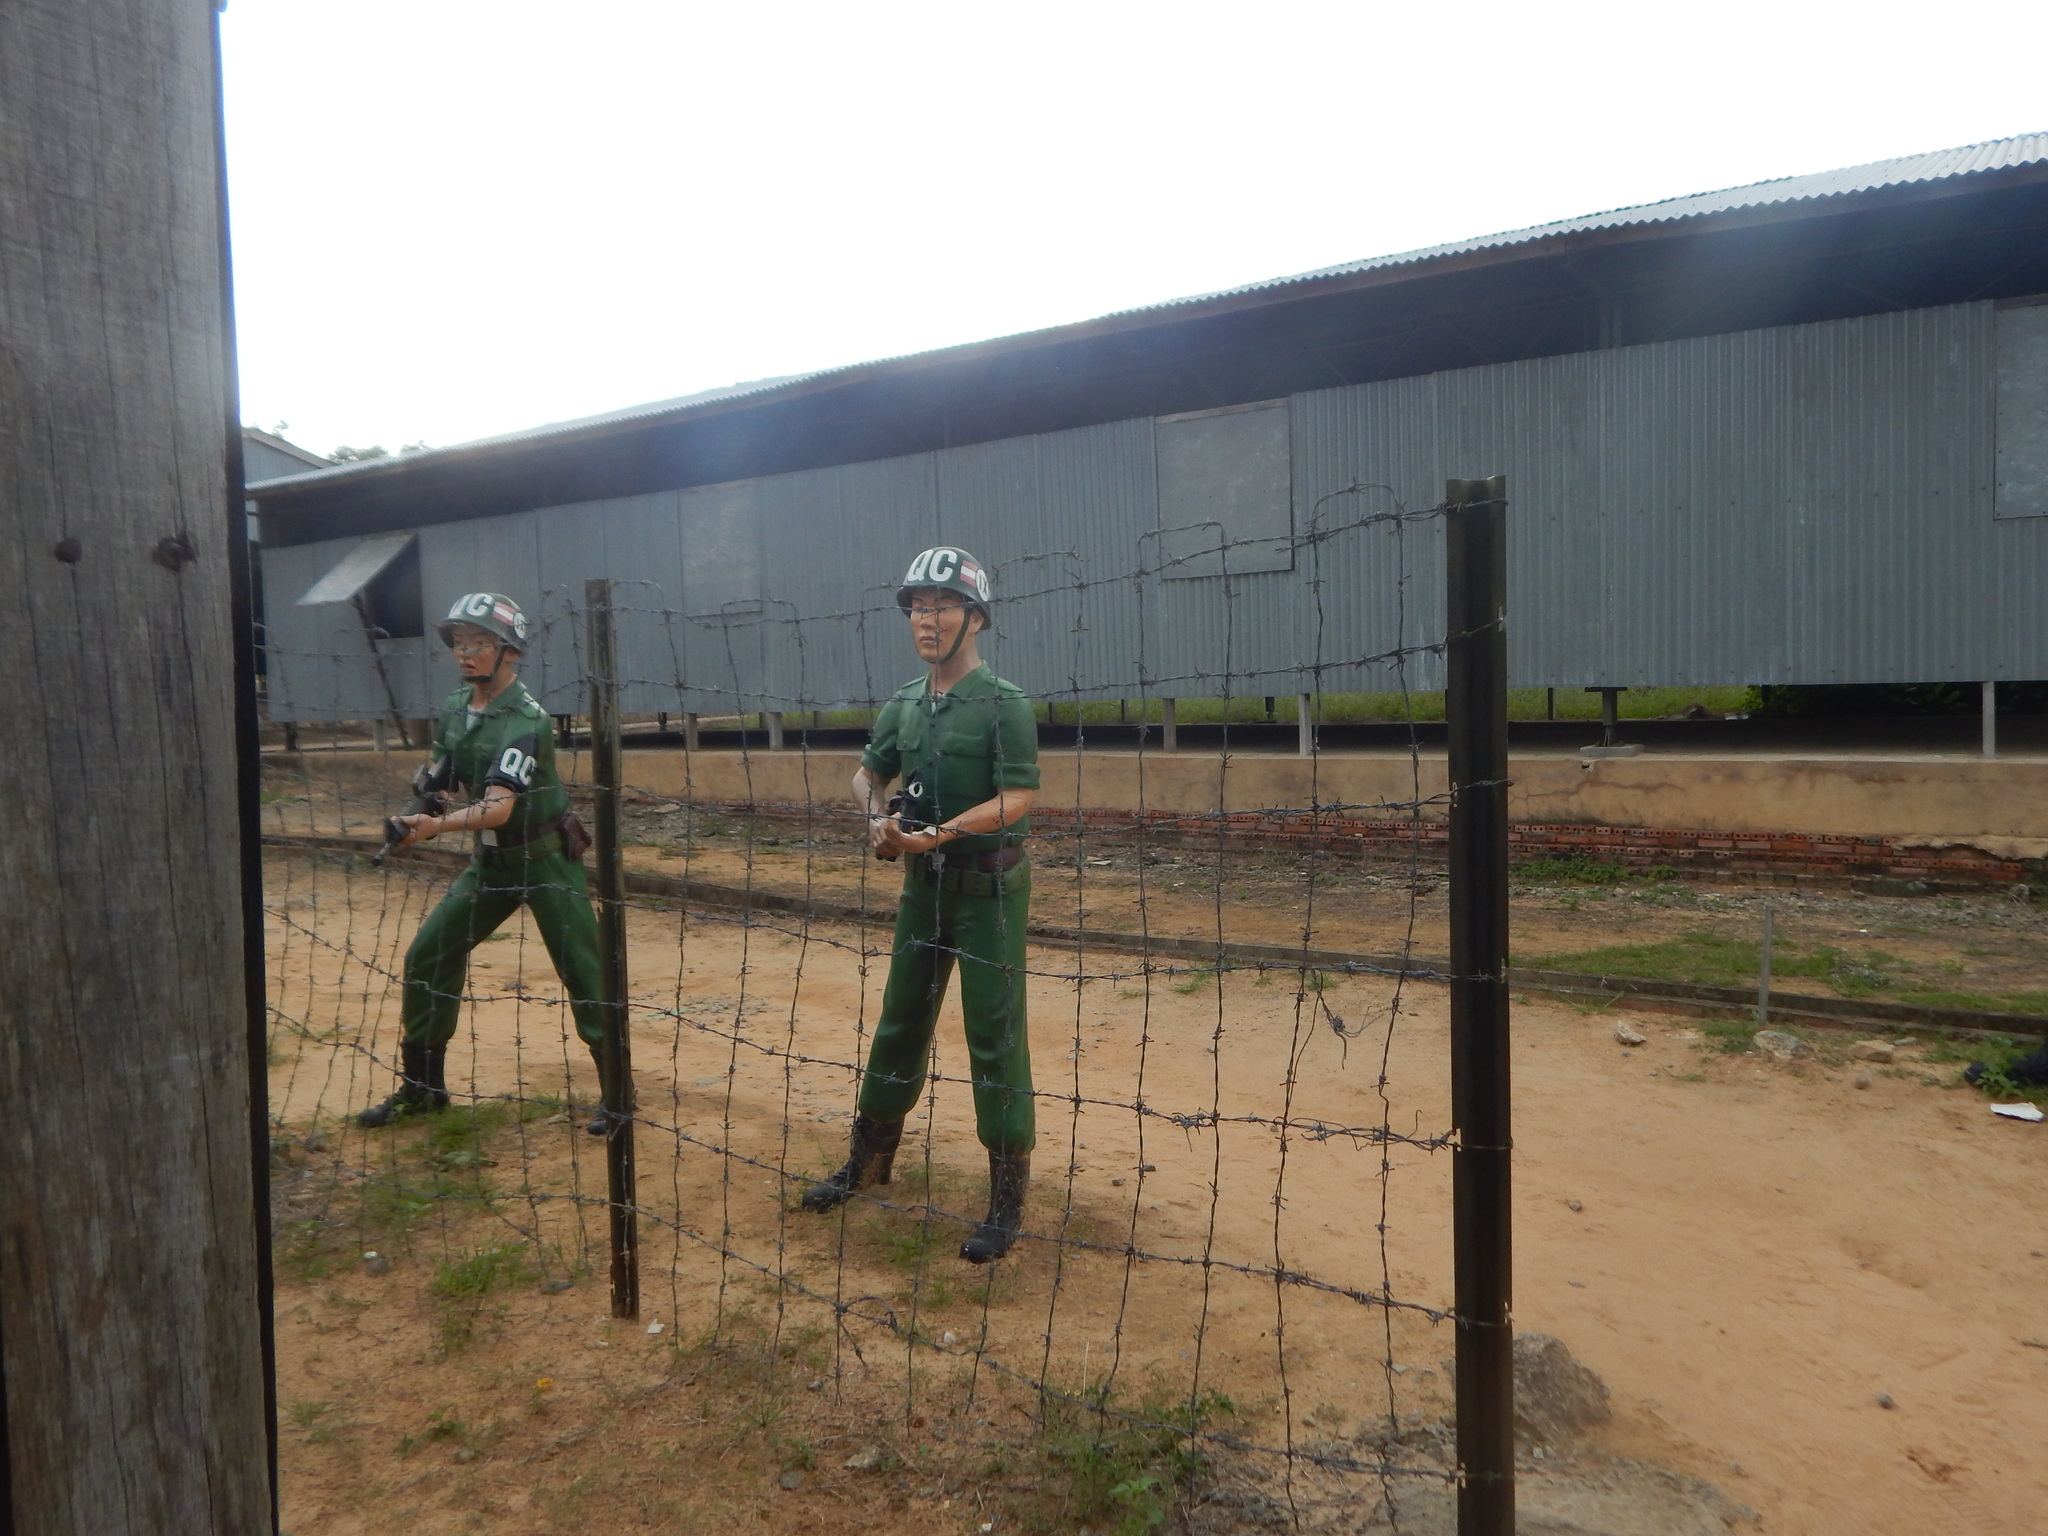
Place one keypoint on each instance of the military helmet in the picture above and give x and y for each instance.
(949, 569)
(488, 611)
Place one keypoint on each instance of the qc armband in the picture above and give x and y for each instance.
(514, 765)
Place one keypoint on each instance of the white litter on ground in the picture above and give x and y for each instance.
(2017, 1111)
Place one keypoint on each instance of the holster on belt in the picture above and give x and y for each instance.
(975, 874)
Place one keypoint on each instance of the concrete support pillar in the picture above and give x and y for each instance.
(773, 720)
(690, 731)
(1169, 728)
(1990, 705)
(1305, 724)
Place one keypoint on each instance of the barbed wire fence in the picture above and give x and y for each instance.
(1234, 1253)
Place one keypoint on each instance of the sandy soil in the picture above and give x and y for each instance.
(1748, 1254)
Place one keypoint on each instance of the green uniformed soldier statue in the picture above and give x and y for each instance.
(498, 745)
(966, 745)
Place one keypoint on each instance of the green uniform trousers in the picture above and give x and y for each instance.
(980, 919)
(498, 881)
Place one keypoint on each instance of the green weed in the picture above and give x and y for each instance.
(1997, 1055)
(909, 1245)
(1195, 980)
(316, 1421)
(480, 1271)
(1733, 1036)
(464, 1285)
(1124, 1472)
(301, 1251)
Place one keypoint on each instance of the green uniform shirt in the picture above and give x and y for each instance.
(955, 750)
(512, 743)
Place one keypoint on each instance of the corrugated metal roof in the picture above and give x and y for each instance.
(1906, 170)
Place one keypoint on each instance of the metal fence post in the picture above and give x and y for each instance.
(607, 773)
(1476, 713)
(1763, 971)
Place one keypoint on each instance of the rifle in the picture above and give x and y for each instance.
(427, 800)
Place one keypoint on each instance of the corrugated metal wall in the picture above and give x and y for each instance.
(1798, 505)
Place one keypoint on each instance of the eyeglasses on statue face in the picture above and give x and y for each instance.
(474, 647)
(918, 610)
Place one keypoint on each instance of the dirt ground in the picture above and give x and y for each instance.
(1757, 1259)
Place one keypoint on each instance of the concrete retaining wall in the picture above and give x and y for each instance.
(1999, 806)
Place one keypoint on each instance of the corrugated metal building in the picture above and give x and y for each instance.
(1793, 433)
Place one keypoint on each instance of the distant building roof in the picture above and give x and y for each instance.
(1912, 232)
(2025, 150)
(266, 456)
(2029, 149)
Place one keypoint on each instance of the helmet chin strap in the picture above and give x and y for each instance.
(497, 661)
(959, 639)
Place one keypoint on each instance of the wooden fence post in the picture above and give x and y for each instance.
(133, 1272)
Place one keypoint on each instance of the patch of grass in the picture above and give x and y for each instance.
(316, 1422)
(1579, 869)
(906, 1244)
(480, 1271)
(1713, 959)
(390, 1205)
(1124, 1475)
(442, 1425)
(1985, 1002)
(1194, 980)
(464, 1285)
(463, 1127)
(1732, 1036)
(301, 1251)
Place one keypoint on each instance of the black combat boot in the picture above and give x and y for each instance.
(420, 1087)
(604, 1122)
(870, 1158)
(1007, 1180)
(434, 1075)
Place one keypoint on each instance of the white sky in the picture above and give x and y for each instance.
(454, 218)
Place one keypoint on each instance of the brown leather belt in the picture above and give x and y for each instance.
(574, 839)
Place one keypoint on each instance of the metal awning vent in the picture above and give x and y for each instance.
(357, 569)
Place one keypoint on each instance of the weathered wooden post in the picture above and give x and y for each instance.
(134, 1389)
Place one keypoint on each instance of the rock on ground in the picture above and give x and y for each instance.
(1779, 1046)
(1556, 1399)
(1575, 1490)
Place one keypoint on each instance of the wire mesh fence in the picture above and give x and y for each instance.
(1231, 1279)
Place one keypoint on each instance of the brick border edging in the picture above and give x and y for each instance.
(1793, 856)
